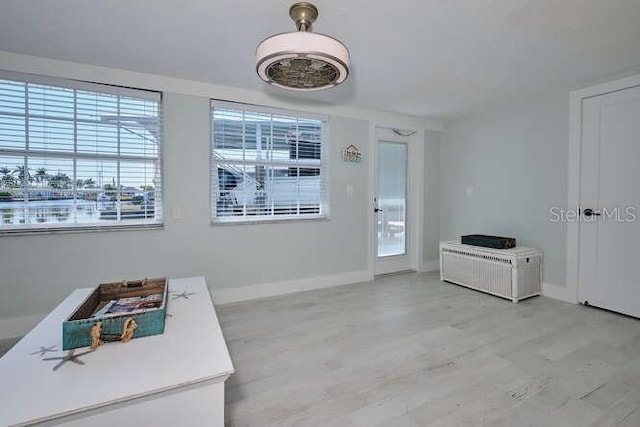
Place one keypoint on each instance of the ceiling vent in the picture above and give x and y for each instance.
(302, 60)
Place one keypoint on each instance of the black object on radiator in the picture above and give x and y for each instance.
(495, 242)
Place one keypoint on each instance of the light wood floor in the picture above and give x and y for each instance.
(5, 345)
(410, 350)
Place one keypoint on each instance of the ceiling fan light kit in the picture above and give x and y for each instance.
(302, 60)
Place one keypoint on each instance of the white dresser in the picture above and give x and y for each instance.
(173, 379)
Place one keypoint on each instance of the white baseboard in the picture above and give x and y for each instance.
(558, 292)
(13, 327)
(18, 326)
(264, 290)
(427, 266)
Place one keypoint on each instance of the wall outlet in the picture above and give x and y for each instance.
(469, 191)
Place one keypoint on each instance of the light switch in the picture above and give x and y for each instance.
(350, 191)
(176, 212)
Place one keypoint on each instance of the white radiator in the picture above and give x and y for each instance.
(515, 273)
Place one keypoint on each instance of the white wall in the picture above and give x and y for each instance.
(39, 270)
(431, 227)
(229, 256)
(501, 172)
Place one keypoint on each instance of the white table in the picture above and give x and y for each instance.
(172, 379)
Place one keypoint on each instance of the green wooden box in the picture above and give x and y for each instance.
(112, 304)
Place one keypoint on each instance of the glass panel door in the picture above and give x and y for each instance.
(391, 201)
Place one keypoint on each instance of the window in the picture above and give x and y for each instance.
(266, 164)
(77, 155)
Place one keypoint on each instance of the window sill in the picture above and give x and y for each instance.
(246, 221)
(80, 229)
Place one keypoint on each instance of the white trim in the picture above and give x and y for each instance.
(608, 87)
(20, 77)
(573, 193)
(372, 180)
(13, 327)
(420, 181)
(92, 73)
(265, 290)
(573, 187)
(414, 194)
(428, 266)
(401, 262)
(278, 112)
(416, 188)
(561, 293)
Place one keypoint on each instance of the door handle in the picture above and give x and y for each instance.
(375, 204)
(589, 212)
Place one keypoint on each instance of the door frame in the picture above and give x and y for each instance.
(399, 262)
(415, 190)
(570, 291)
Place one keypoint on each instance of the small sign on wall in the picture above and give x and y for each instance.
(351, 154)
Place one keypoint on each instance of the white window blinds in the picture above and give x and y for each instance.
(78, 155)
(266, 164)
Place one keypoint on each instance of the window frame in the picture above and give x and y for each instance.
(74, 155)
(324, 208)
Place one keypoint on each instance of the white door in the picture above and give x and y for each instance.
(390, 208)
(610, 201)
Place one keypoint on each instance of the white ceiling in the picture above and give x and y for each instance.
(437, 58)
